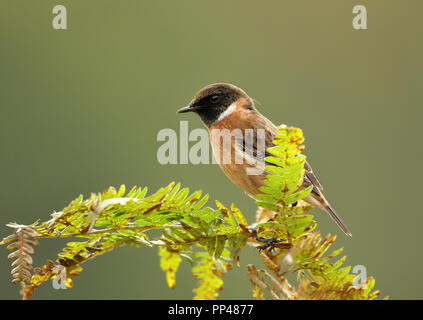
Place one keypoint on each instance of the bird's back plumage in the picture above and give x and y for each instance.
(251, 183)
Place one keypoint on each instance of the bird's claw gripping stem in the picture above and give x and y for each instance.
(267, 242)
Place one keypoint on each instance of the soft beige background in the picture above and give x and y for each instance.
(80, 111)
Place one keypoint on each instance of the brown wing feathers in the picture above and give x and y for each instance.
(309, 179)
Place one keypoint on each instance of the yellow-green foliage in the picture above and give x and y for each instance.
(200, 234)
(211, 239)
(302, 252)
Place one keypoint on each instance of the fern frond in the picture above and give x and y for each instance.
(208, 270)
(113, 218)
(169, 262)
(276, 288)
(283, 188)
(21, 242)
(303, 251)
(41, 275)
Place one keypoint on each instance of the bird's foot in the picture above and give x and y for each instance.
(267, 242)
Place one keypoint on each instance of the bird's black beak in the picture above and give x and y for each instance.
(186, 109)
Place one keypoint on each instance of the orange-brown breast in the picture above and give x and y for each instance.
(240, 119)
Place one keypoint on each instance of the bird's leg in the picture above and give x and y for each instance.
(267, 242)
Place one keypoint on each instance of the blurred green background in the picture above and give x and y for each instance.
(81, 109)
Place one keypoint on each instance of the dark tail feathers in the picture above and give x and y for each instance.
(337, 220)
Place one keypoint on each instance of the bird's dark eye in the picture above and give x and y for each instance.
(214, 99)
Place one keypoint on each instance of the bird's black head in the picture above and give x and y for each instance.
(211, 101)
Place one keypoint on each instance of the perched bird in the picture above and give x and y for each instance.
(224, 106)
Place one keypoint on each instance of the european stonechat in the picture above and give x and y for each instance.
(224, 108)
